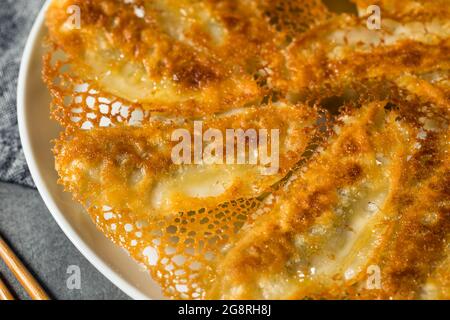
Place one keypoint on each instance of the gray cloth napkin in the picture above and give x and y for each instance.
(16, 20)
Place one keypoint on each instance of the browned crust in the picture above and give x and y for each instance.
(388, 137)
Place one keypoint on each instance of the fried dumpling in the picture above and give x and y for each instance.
(344, 49)
(165, 54)
(381, 202)
(135, 168)
(180, 56)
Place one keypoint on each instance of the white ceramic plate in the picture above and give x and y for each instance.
(36, 132)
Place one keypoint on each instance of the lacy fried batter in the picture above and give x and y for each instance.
(364, 142)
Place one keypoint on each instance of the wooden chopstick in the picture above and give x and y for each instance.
(25, 278)
(4, 292)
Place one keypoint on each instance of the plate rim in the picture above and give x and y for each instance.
(59, 217)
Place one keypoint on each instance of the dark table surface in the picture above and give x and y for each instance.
(25, 222)
(29, 228)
